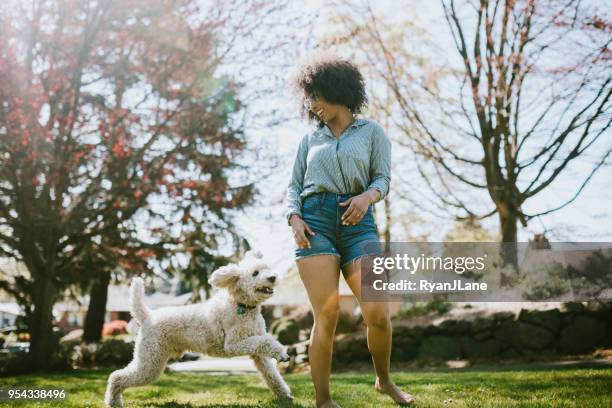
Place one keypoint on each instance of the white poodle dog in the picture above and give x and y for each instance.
(228, 324)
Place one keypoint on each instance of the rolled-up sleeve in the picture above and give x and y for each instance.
(296, 185)
(380, 162)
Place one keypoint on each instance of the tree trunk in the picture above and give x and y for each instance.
(94, 320)
(387, 232)
(41, 340)
(508, 229)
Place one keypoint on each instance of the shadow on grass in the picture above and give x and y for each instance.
(512, 386)
(272, 403)
(555, 365)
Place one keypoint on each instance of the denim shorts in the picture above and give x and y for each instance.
(322, 214)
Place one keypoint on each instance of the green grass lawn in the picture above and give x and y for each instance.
(510, 387)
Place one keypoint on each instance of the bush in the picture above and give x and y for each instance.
(13, 363)
(109, 353)
(114, 353)
(437, 307)
(63, 357)
(84, 355)
(72, 354)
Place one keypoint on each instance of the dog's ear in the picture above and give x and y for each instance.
(225, 276)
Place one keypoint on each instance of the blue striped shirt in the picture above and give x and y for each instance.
(358, 160)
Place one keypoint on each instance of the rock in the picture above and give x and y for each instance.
(509, 354)
(404, 349)
(582, 334)
(432, 330)
(347, 323)
(286, 331)
(575, 307)
(405, 342)
(304, 319)
(351, 347)
(481, 325)
(454, 326)
(301, 358)
(486, 334)
(502, 316)
(535, 337)
(549, 319)
(508, 333)
(480, 349)
(439, 348)
(302, 347)
(402, 331)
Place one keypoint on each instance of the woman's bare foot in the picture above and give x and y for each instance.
(329, 404)
(389, 388)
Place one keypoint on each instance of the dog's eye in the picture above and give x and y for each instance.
(255, 273)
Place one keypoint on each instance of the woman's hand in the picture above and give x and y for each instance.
(300, 228)
(358, 206)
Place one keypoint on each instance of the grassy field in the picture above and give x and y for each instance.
(574, 387)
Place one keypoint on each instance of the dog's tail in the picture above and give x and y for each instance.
(139, 310)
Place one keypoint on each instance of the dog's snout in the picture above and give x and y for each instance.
(272, 279)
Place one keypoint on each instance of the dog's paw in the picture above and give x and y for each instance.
(113, 401)
(284, 357)
(280, 355)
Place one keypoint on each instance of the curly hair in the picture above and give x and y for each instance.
(335, 79)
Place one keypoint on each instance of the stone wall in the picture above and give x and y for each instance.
(574, 329)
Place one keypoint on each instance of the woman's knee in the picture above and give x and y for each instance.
(377, 316)
(328, 315)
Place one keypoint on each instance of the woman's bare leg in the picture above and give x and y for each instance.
(379, 333)
(320, 276)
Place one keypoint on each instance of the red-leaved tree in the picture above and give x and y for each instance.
(111, 112)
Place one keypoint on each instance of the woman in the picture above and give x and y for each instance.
(340, 170)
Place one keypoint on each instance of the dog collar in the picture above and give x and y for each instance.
(242, 308)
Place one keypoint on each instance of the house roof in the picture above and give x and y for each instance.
(118, 300)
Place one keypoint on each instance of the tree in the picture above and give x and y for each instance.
(468, 230)
(513, 115)
(349, 33)
(112, 111)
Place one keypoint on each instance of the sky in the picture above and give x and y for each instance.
(586, 219)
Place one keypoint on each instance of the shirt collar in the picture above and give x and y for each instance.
(357, 123)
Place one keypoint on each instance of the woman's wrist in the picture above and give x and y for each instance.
(293, 218)
(373, 195)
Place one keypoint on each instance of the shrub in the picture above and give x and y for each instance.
(109, 353)
(84, 355)
(63, 357)
(13, 363)
(437, 307)
(114, 352)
